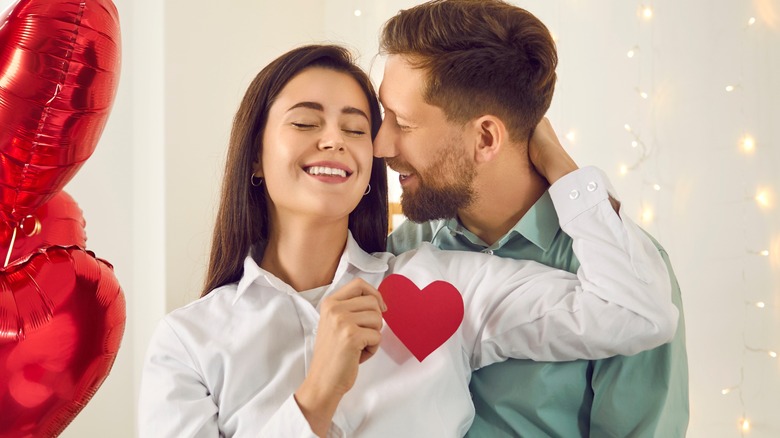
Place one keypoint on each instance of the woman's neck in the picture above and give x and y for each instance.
(304, 253)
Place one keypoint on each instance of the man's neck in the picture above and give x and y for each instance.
(506, 191)
(304, 254)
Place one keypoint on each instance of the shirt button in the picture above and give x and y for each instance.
(488, 251)
(574, 194)
(592, 186)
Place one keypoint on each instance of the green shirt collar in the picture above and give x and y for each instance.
(539, 226)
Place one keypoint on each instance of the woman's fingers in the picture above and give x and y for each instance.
(359, 288)
(367, 319)
(373, 338)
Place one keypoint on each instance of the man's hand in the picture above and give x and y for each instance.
(348, 334)
(547, 154)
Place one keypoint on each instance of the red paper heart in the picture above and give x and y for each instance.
(62, 316)
(59, 69)
(422, 319)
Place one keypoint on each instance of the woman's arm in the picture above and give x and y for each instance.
(618, 304)
(174, 401)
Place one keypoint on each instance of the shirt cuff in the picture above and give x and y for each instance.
(289, 421)
(579, 191)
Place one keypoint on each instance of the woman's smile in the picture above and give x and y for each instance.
(329, 171)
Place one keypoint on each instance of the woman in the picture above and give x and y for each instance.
(290, 340)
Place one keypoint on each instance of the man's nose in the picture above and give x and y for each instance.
(385, 142)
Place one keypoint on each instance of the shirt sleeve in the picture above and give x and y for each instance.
(289, 421)
(645, 394)
(174, 401)
(618, 304)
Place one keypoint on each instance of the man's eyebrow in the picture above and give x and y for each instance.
(318, 107)
(398, 115)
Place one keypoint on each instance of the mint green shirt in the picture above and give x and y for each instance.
(645, 395)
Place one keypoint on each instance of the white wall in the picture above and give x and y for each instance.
(149, 192)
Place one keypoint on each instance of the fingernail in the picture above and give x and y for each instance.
(384, 307)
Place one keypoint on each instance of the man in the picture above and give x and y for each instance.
(466, 83)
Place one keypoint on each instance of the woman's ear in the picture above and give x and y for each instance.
(490, 135)
(257, 169)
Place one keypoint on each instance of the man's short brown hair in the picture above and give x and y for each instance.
(481, 57)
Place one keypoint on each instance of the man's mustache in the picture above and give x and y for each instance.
(399, 166)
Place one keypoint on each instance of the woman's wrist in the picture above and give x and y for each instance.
(317, 405)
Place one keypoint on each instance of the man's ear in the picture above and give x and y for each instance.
(490, 136)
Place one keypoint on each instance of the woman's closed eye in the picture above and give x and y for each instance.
(354, 132)
(301, 125)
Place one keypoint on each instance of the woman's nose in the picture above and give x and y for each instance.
(331, 141)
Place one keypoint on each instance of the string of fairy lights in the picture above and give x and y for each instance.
(761, 198)
(643, 149)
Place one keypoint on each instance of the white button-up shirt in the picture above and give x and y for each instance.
(229, 363)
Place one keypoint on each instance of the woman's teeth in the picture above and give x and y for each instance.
(327, 171)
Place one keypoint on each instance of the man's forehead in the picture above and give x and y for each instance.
(401, 84)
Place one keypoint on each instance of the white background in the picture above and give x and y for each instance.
(149, 191)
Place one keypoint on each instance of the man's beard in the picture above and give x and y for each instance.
(443, 188)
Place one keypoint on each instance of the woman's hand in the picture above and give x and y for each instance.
(348, 334)
(547, 154)
(550, 158)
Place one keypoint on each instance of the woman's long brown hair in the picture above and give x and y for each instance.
(242, 218)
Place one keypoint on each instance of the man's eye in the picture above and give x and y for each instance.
(402, 126)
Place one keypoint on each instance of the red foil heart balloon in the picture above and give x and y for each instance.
(422, 320)
(57, 222)
(62, 316)
(59, 69)
(62, 311)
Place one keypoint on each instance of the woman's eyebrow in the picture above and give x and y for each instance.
(318, 107)
(311, 105)
(353, 110)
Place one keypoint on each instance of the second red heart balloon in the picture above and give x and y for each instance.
(62, 316)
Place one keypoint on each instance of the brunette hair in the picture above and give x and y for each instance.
(242, 218)
(480, 57)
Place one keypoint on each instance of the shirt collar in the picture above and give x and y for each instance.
(353, 255)
(539, 225)
(361, 260)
